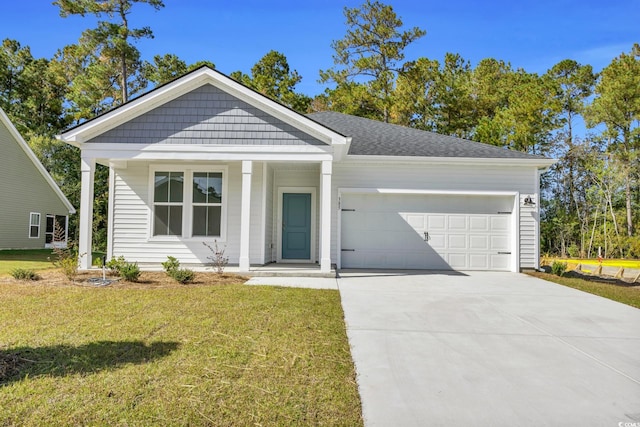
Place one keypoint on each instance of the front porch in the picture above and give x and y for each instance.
(254, 224)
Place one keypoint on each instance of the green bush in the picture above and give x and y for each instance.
(558, 268)
(574, 251)
(130, 271)
(24, 274)
(170, 265)
(69, 266)
(181, 275)
(116, 264)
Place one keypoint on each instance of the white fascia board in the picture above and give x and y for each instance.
(538, 163)
(189, 82)
(369, 190)
(207, 152)
(34, 159)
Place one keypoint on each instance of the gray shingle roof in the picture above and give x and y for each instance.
(374, 138)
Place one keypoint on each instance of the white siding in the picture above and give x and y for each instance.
(444, 178)
(132, 214)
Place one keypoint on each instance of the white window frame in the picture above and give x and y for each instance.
(31, 215)
(168, 203)
(187, 202)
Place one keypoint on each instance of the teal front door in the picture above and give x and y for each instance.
(296, 226)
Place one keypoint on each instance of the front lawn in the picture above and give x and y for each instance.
(32, 259)
(174, 355)
(629, 295)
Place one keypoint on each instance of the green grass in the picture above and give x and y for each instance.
(181, 355)
(623, 294)
(32, 259)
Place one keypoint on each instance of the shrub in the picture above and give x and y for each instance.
(68, 265)
(170, 265)
(181, 275)
(24, 274)
(218, 260)
(116, 264)
(558, 268)
(574, 251)
(130, 271)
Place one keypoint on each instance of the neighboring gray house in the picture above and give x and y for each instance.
(30, 200)
(205, 158)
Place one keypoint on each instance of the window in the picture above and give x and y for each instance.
(55, 232)
(189, 203)
(168, 203)
(34, 225)
(207, 203)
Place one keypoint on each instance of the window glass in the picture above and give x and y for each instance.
(34, 225)
(207, 187)
(167, 197)
(206, 220)
(168, 187)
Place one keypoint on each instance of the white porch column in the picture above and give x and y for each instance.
(87, 170)
(245, 215)
(325, 217)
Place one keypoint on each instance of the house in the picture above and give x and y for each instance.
(205, 158)
(30, 201)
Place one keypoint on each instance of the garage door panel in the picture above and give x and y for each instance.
(499, 243)
(500, 223)
(457, 241)
(436, 222)
(479, 242)
(457, 222)
(478, 223)
(388, 231)
(457, 261)
(479, 262)
(417, 221)
(499, 262)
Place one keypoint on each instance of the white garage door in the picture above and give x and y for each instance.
(435, 232)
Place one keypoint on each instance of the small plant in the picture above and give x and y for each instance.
(130, 271)
(116, 264)
(170, 265)
(24, 274)
(66, 258)
(181, 275)
(218, 260)
(558, 268)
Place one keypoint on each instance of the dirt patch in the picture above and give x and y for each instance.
(148, 279)
(593, 278)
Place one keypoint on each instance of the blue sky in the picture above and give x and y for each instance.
(234, 35)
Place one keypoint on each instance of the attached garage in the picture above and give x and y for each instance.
(428, 231)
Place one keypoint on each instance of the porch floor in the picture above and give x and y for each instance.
(284, 270)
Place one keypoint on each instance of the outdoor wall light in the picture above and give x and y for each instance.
(528, 201)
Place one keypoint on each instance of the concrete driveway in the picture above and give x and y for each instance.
(490, 349)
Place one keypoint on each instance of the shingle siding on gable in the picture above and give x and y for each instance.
(207, 115)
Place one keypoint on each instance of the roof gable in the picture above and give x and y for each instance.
(202, 76)
(17, 138)
(207, 115)
(374, 138)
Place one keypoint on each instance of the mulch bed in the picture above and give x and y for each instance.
(148, 279)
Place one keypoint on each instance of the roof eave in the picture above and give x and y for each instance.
(36, 162)
(540, 163)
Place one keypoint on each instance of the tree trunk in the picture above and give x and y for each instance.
(627, 193)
